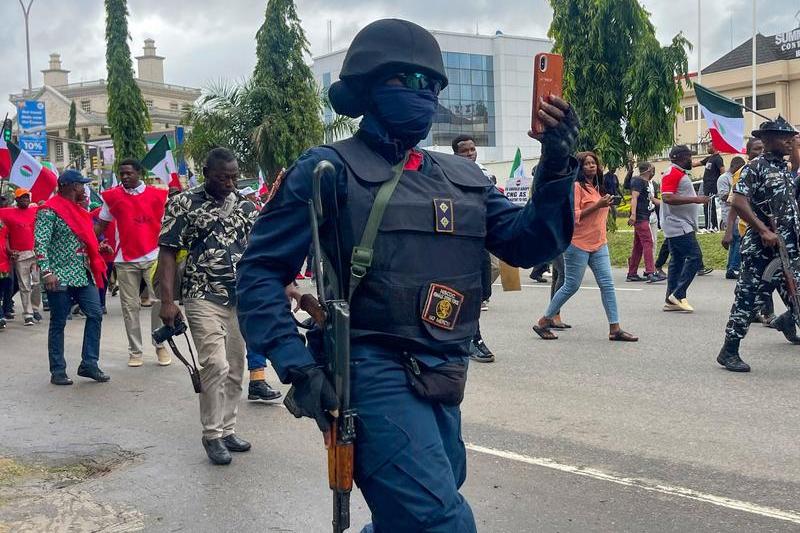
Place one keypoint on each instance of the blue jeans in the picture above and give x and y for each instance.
(575, 263)
(734, 257)
(685, 260)
(60, 303)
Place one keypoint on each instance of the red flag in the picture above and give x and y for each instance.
(5, 159)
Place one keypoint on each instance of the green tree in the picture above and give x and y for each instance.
(622, 82)
(283, 104)
(128, 118)
(75, 149)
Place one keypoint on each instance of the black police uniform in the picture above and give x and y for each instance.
(410, 457)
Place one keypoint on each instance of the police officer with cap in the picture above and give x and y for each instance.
(766, 199)
(420, 299)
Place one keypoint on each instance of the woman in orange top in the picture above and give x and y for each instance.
(589, 247)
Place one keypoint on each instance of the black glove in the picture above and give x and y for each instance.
(312, 395)
(558, 143)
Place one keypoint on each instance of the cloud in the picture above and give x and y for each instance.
(205, 40)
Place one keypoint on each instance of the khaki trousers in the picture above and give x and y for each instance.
(129, 278)
(29, 289)
(221, 354)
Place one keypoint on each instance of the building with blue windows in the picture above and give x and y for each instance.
(489, 95)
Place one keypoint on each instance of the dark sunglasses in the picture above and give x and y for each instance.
(419, 81)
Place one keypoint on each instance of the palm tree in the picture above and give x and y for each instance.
(223, 116)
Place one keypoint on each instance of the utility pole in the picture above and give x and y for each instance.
(699, 69)
(26, 12)
(755, 106)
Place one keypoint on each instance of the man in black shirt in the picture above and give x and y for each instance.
(714, 168)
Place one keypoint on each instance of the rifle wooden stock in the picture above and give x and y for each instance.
(340, 462)
(311, 305)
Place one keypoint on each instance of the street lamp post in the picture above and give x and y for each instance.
(26, 12)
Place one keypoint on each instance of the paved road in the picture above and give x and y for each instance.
(578, 434)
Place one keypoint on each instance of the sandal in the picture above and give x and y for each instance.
(560, 325)
(622, 336)
(544, 332)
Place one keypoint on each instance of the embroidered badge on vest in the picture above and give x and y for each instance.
(443, 213)
(442, 306)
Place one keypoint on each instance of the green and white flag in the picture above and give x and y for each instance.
(517, 168)
(518, 186)
(160, 161)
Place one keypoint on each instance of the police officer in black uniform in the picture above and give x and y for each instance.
(420, 299)
(766, 198)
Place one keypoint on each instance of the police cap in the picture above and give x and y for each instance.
(779, 126)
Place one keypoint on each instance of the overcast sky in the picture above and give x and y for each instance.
(205, 40)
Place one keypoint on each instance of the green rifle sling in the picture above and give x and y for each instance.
(361, 260)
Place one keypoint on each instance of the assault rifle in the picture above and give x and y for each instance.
(333, 317)
(783, 262)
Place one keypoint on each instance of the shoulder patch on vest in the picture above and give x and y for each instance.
(443, 213)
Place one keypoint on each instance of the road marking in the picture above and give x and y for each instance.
(644, 484)
(584, 287)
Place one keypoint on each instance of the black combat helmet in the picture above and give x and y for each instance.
(381, 48)
(778, 126)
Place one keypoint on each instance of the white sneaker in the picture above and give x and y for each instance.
(164, 359)
(672, 307)
(682, 304)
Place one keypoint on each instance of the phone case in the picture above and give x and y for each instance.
(548, 78)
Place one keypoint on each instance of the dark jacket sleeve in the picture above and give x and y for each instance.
(534, 234)
(278, 246)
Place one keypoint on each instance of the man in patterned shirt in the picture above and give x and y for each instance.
(71, 268)
(213, 223)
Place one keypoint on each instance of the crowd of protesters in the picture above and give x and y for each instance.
(61, 256)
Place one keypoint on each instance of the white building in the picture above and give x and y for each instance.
(489, 95)
(166, 103)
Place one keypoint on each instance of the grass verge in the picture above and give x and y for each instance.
(714, 255)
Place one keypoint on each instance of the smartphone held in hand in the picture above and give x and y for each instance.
(548, 77)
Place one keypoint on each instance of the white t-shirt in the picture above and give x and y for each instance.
(105, 215)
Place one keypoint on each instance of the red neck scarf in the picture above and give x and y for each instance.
(79, 221)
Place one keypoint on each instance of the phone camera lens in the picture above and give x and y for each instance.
(542, 63)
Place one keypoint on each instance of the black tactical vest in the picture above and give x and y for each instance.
(423, 290)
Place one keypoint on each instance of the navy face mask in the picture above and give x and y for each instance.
(407, 114)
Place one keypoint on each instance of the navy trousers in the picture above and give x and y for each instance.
(685, 260)
(410, 458)
(60, 303)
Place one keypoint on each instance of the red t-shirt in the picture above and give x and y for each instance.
(5, 264)
(671, 180)
(20, 224)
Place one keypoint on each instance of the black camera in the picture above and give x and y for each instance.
(616, 200)
(165, 332)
